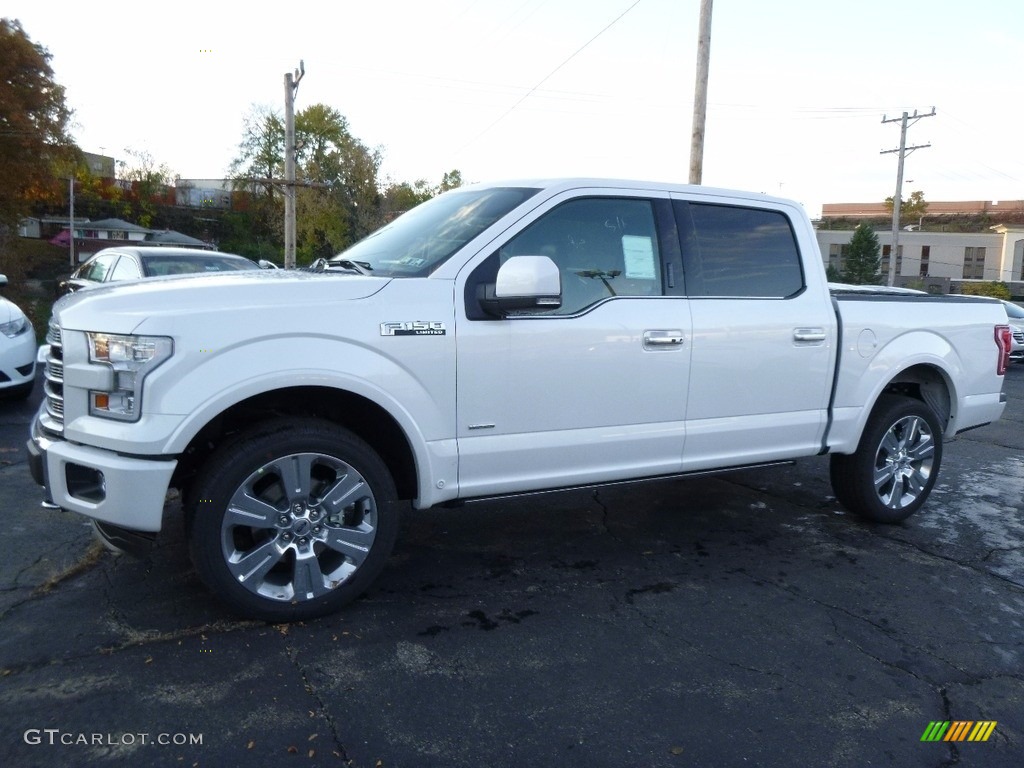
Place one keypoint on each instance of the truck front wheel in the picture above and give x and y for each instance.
(292, 520)
(896, 463)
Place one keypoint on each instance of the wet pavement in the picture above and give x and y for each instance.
(741, 620)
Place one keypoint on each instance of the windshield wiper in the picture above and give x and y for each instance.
(362, 267)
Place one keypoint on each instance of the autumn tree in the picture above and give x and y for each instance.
(337, 191)
(339, 195)
(149, 184)
(34, 122)
(914, 207)
(861, 261)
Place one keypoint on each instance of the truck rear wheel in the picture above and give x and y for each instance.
(292, 520)
(896, 463)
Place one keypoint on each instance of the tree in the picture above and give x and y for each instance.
(260, 159)
(861, 261)
(913, 207)
(337, 193)
(339, 196)
(149, 184)
(451, 180)
(34, 122)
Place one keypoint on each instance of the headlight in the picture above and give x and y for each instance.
(15, 327)
(132, 358)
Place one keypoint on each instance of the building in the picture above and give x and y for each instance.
(203, 193)
(997, 254)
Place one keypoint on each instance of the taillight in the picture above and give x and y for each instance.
(1004, 341)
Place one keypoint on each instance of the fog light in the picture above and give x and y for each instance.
(85, 483)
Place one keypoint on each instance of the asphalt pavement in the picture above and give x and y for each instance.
(739, 620)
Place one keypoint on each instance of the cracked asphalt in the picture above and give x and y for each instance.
(740, 620)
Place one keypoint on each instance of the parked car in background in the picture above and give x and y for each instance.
(17, 350)
(137, 262)
(1015, 314)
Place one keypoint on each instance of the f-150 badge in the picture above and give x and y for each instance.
(413, 328)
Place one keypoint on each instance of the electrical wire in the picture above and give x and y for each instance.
(549, 75)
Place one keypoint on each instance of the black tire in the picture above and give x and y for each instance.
(265, 534)
(896, 463)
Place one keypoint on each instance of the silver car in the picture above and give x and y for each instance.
(1015, 314)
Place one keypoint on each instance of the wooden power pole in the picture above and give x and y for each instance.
(291, 86)
(700, 94)
(897, 200)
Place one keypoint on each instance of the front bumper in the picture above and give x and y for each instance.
(17, 360)
(124, 491)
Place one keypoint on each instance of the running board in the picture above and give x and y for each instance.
(613, 483)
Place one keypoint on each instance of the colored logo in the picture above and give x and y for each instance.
(958, 730)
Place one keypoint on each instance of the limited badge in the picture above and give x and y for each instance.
(413, 328)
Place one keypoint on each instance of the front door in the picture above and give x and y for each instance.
(594, 390)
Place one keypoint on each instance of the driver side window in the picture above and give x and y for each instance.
(603, 247)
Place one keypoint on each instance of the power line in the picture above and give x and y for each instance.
(550, 74)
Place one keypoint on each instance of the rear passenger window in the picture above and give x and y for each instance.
(731, 251)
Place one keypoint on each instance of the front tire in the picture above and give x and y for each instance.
(896, 463)
(292, 520)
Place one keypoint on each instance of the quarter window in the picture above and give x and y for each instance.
(97, 271)
(126, 269)
(730, 251)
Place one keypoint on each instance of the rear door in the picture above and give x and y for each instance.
(763, 337)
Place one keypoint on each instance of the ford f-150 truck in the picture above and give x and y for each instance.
(498, 339)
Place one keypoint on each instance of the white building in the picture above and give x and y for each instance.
(994, 255)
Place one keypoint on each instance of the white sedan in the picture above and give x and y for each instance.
(17, 350)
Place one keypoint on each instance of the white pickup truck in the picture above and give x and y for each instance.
(498, 339)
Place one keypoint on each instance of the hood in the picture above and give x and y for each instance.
(124, 306)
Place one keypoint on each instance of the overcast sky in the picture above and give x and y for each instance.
(505, 89)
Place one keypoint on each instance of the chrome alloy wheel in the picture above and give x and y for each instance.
(903, 462)
(298, 527)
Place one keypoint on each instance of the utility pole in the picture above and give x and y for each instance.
(71, 231)
(291, 87)
(897, 200)
(700, 94)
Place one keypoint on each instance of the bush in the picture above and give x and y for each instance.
(995, 289)
(32, 267)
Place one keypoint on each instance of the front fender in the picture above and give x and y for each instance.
(416, 398)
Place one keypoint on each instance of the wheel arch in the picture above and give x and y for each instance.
(928, 382)
(357, 413)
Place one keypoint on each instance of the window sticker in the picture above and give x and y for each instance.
(638, 253)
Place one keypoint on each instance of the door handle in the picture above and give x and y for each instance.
(809, 335)
(663, 339)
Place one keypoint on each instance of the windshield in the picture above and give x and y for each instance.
(1014, 311)
(418, 241)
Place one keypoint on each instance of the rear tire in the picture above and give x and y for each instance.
(292, 520)
(896, 464)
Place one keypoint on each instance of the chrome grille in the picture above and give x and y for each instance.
(53, 384)
(1019, 336)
